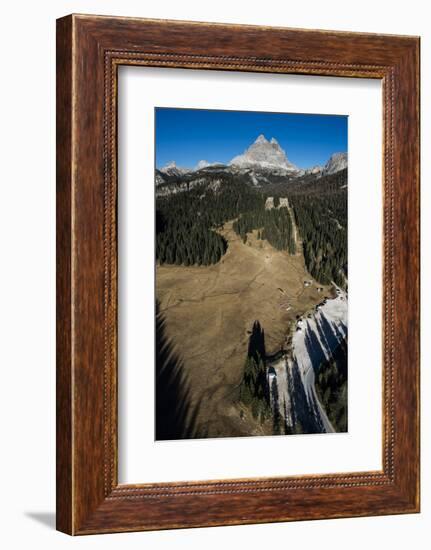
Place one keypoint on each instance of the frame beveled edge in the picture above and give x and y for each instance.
(89, 499)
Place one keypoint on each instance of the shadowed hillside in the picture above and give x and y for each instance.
(175, 418)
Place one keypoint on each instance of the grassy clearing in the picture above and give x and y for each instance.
(209, 313)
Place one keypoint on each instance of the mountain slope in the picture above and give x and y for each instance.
(337, 162)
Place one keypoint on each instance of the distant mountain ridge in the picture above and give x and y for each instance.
(171, 169)
(263, 162)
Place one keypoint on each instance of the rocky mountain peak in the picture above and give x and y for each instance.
(171, 169)
(168, 166)
(261, 139)
(336, 162)
(264, 155)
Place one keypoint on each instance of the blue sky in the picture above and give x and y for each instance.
(187, 136)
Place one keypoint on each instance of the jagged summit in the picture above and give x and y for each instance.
(266, 155)
(168, 166)
(261, 139)
(337, 162)
(171, 169)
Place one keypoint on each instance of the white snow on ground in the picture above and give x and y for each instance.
(254, 178)
(296, 396)
(333, 312)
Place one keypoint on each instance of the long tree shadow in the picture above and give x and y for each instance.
(256, 343)
(304, 418)
(315, 350)
(341, 332)
(276, 421)
(334, 339)
(175, 417)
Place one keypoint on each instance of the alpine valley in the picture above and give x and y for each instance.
(251, 296)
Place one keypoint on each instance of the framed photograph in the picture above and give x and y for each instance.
(237, 274)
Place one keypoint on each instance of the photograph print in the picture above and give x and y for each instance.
(251, 273)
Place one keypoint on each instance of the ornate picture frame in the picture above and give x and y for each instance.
(89, 51)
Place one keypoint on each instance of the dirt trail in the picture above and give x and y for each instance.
(298, 243)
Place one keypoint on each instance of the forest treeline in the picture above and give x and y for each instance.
(254, 391)
(331, 387)
(322, 224)
(273, 225)
(187, 223)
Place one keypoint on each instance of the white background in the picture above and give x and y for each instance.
(141, 458)
(27, 122)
